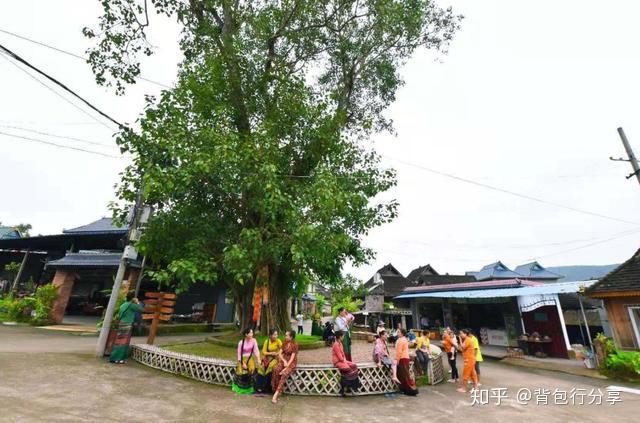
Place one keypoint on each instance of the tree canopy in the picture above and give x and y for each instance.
(257, 161)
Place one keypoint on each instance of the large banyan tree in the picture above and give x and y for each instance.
(257, 162)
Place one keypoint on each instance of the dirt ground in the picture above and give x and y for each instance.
(54, 378)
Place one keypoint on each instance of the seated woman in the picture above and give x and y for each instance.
(271, 350)
(381, 355)
(348, 370)
(423, 351)
(407, 384)
(247, 354)
(288, 360)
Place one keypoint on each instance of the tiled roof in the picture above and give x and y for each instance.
(393, 281)
(625, 277)
(9, 232)
(444, 279)
(100, 226)
(425, 270)
(484, 285)
(495, 270)
(534, 270)
(89, 259)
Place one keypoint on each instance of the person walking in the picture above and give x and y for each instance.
(469, 356)
(126, 315)
(300, 320)
(449, 349)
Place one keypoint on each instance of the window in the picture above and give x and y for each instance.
(634, 316)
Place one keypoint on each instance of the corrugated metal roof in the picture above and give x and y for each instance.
(552, 288)
(496, 270)
(90, 260)
(100, 226)
(495, 284)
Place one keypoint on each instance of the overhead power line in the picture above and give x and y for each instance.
(60, 84)
(71, 54)
(68, 147)
(513, 193)
(77, 107)
(57, 136)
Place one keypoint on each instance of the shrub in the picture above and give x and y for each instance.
(19, 309)
(45, 297)
(623, 364)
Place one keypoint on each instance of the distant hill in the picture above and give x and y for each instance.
(582, 273)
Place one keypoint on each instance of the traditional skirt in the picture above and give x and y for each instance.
(349, 376)
(279, 381)
(120, 349)
(264, 375)
(346, 345)
(407, 384)
(243, 379)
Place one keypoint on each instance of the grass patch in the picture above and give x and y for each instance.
(305, 342)
(204, 349)
(422, 380)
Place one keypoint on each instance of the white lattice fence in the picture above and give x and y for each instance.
(306, 380)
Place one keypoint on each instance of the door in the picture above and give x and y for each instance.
(634, 316)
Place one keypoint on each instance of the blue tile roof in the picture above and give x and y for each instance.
(9, 232)
(534, 270)
(496, 270)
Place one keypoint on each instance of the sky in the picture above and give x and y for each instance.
(527, 101)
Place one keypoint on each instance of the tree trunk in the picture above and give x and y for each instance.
(275, 315)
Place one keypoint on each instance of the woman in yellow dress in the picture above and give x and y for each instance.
(271, 350)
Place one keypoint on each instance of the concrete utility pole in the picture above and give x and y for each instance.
(632, 157)
(117, 283)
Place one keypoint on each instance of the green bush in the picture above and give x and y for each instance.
(19, 310)
(316, 328)
(623, 364)
(45, 297)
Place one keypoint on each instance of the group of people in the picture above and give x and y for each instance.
(269, 371)
(469, 346)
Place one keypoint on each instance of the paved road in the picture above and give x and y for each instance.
(54, 378)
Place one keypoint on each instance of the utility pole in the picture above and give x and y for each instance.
(632, 157)
(117, 283)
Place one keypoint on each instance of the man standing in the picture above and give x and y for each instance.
(300, 320)
(343, 323)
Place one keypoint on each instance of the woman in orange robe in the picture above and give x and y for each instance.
(407, 384)
(469, 356)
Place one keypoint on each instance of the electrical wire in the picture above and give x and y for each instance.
(55, 92)
(513, 193)
(34, 131)
(68, 53)
(68, 147)
(55, 81)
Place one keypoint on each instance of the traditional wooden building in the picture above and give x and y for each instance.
(620, 292)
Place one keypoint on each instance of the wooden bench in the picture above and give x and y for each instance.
(308, 379)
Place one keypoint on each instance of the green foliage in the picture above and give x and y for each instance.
(388, 305)
(11, 270)
(258, 158)
(316, 328)
(19, 309)
(320, 302)
(623, 364)
(45, 297)
(122, 297)
(347, 302)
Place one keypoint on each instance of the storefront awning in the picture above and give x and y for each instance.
(550, 288)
